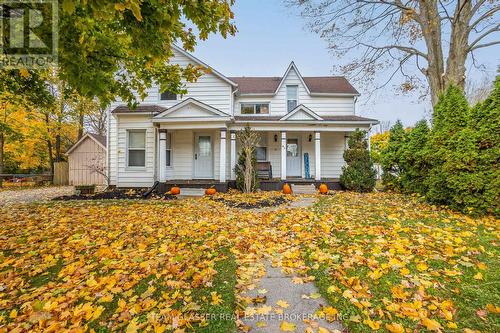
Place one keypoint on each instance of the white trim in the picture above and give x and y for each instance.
(317, 155)
(303, 108)
(211, 135)
(86, 135)
(193, 58)
(188, 101)
(292, 65)
(233, 155)
(163, 156)
(283, 155)
(222, 156)
(334, 94)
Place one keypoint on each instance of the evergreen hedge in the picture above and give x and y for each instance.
(358, 175)
(454, 163)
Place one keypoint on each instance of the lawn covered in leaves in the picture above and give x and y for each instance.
(384, 261)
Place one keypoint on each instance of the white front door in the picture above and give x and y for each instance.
(203, 156)
(293, 157)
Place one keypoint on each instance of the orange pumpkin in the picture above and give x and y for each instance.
(323, 189)
(287, 189)
(210, 191)
(175, 190)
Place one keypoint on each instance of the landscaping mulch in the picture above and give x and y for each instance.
(271, 202)
(116, 195)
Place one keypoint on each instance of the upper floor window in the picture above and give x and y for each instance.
(292, 97)
(254, 108)
(168, 96)
(136, 148)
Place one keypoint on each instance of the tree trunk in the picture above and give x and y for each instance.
(49, 144)
(430, 23)
(58, 148)
(248, 170)
(455, 66)
(80, 123)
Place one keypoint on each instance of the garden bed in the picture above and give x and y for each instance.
(252, 200)
(117, 194)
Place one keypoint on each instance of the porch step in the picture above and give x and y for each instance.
(303, 189)
(192, 192)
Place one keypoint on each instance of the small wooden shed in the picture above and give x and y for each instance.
(87, 160)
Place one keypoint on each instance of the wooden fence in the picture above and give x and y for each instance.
(61, 173)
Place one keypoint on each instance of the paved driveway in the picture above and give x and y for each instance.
(8, 197)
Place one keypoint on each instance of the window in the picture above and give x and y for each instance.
(169, 150)
(291, 97)
(261, 149)
(136, 153)
(254, 108)
(168, 96)
(261, 153)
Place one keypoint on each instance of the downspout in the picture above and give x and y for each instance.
(355, 100)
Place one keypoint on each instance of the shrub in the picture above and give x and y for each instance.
(391, 156)
(358, 175)
(412, 160)
(449, 118)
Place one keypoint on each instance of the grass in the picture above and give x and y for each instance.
(477, 245)
(224, 284)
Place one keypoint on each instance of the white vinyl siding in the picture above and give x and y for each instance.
(135, 176)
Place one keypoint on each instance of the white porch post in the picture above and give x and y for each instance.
(163, 156)
(317, 155)
(233, 155)
(222, 155)
(283, 155)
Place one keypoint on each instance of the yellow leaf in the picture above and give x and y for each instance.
(282, 303)
(374, 325)
(323, 330)
(264, 310)
(478, 276)
(160, 328)
(481, 266)
(451, 325)
(395, 328)
(404, 271)
(261, 324)
(13, 314)
(216, 299)
(492, 308)
(132, 326)
(120, 7)
(422, 266)
(24, 73)
(68, 6)
(262, 291)
(431, 324)
(287, 327)
(315, 295)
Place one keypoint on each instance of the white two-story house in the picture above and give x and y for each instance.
(190, 140)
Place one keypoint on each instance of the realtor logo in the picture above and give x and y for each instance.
(28, 33)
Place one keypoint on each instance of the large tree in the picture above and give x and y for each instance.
(108, 49)
(402, 38)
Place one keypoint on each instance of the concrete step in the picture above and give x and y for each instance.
(192, 192)
(303, 189)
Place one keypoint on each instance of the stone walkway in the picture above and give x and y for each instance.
(290, 304)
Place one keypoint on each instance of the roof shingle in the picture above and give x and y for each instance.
(140, 108)
(316, 84)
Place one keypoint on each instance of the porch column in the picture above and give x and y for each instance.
(283, 155)
(317, 155)
(163, 156)
(222, 155)
(233, 155)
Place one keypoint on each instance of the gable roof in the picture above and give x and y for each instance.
(141, 108)
(99, 139)
(290, 67)
(199, 62)
(301, 108)
(316, 84)
(188, 101)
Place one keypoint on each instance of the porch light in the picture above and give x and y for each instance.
(310, 137)
(275, 137)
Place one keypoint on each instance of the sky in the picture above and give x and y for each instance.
(271, 35)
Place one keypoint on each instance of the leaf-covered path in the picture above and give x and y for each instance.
(382, 261)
